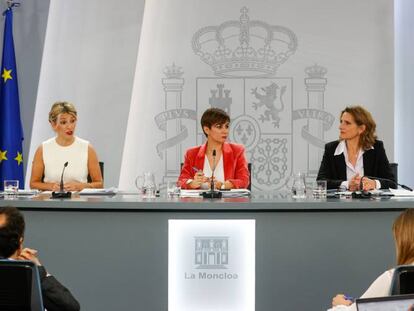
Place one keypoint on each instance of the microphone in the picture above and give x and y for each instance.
(61, 177)
(61, 194)
(212, 171)
(212, 194)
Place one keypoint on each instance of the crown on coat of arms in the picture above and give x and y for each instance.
(244, 47)
(316, 71)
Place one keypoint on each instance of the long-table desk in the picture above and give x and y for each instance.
(112, 252)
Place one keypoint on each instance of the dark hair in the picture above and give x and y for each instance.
(213, 116)
(363, 117)
(11, 232)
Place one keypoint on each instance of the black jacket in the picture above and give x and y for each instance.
(333, 168)
(56, 297)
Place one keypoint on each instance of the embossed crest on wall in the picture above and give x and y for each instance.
(244, 56)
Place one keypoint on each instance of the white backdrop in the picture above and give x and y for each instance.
(319, 56)
(89, 59)
(404, 91)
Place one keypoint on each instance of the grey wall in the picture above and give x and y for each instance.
(30, 21)
(404, 90)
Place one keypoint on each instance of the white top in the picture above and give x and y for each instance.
(351, 170)
(55, 156)
(218, 172)
(379, 288)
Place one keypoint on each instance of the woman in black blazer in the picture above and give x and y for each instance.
(356, 155)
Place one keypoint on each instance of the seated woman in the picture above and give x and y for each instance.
(50, 157)
(403, 230)
(229, 164)
(356, 154)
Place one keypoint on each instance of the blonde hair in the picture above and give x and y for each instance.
(363, 117)
(61, 107)
(403, 229)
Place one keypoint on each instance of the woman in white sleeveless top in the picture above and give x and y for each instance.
(403, 230)
(51, 156)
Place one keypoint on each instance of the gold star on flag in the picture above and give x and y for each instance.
(19, 158)
(3, 155)
(6, 75)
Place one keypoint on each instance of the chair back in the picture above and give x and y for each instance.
(101, 166)
(249, 167)
(19, 286)
(403, 281)
(394, 170)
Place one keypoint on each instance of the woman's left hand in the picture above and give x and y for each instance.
(74, 186)
(368, 184)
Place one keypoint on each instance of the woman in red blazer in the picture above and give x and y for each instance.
(229, 163)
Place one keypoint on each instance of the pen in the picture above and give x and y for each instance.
(349, 298)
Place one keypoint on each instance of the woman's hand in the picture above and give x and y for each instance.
(198, 180)
(340, 300)
(368, 184)
(353, 184)
(74, 186)
(55, 187)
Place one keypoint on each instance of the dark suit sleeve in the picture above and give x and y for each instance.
(56, 297)
(326, 170)
(384, 168)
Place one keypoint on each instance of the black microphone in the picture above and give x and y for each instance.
(212, 171)
(62, 194)
(385, 179)
(61, 177)
(212, 194)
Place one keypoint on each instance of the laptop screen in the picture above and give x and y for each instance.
(391, 303)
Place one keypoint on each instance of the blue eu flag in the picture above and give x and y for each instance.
(11, 132)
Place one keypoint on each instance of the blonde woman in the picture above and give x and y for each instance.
(52, 154)
(403, 230)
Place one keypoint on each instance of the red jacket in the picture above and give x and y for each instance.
(234, 163)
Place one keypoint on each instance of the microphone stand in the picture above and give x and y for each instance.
(61, 194)
(212, 194)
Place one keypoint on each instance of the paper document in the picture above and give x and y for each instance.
(189, 193)
(402, 193)
(99, 191)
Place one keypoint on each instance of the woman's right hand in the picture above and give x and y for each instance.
(340, 300)
(55, 187)
(198, 180)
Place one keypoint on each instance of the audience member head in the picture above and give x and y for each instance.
(60, 108)
(12, 227)
(403, 230)
(212, 117)
(365, 125)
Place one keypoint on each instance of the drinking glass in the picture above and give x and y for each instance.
(146, 186)
(173, 189)
(11, 187)
(319, 189)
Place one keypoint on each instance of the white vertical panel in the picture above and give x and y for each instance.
(404, 90)
(89, 59)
